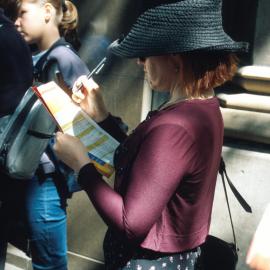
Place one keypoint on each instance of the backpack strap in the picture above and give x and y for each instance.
(40, 135)
(40, 69)
(58, 169)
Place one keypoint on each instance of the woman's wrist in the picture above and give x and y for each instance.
(102, 117)
(81, 163)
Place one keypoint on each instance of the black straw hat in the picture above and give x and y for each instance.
(184, 26)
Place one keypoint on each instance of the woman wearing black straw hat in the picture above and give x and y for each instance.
(159, 211)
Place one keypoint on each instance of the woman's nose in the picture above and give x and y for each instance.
(17, 23)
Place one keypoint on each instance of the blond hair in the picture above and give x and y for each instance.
(68, 25)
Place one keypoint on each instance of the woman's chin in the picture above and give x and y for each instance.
(27, 39)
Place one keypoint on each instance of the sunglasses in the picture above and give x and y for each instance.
(142, 59)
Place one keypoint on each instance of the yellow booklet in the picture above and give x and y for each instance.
(72, 120)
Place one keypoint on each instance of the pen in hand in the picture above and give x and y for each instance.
(100, 65)
(95, 71)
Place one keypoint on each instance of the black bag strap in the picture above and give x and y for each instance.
(241, 200)
(60, 180)
(40, 135)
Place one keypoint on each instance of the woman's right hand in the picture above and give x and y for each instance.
(88, 95)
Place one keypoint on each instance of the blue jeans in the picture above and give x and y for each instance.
(46, 223)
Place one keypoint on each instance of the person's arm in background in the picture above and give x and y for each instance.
(258, 257)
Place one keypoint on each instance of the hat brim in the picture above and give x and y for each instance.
(123, 48)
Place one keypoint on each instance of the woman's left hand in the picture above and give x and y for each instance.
(71, 151)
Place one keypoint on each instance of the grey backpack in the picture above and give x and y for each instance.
(24, 135)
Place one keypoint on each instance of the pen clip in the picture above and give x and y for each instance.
(98, 68)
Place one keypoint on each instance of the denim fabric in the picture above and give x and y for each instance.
(43, 202)
(46, 224)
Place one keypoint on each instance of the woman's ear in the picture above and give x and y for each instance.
(49, 10)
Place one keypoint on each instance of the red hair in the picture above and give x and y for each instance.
(202, 71)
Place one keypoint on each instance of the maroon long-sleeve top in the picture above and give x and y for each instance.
(165, 177)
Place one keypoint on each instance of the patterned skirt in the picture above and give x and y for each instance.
(121, 256)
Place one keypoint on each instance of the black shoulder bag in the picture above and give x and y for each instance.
(218, 254)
